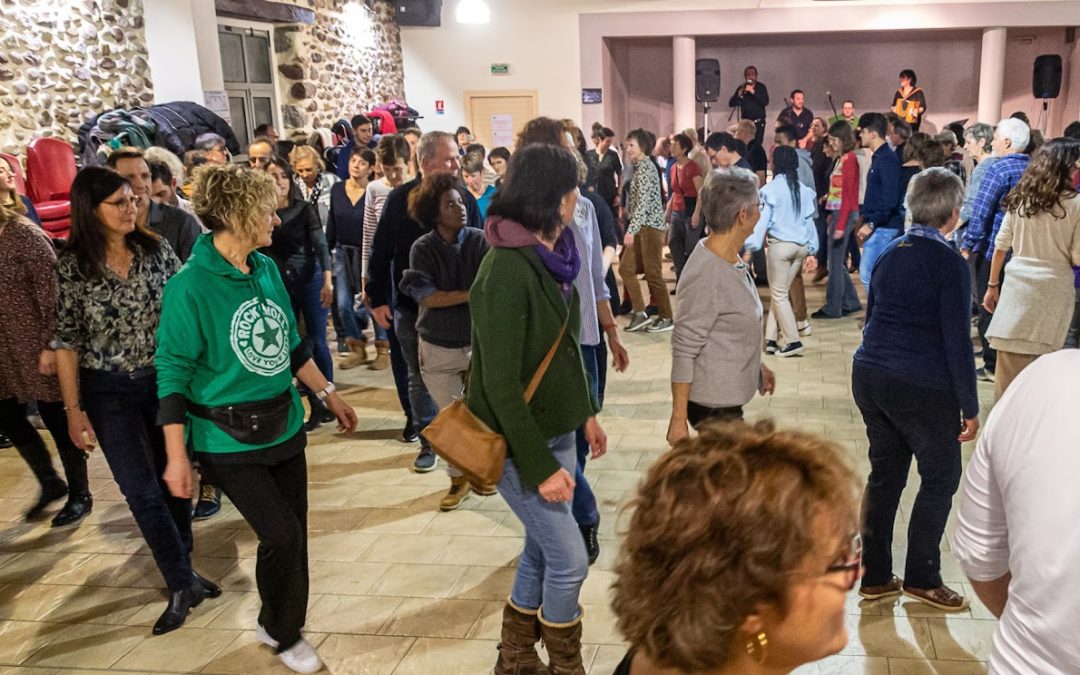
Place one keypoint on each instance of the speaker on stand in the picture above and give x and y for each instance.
(1046, 84)
(707, 85)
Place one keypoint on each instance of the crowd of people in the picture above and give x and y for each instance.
(189, 314)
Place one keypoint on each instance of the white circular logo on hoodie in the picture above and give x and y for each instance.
(260, 337)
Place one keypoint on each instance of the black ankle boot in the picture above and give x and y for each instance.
(592, 542)
(52, 489)
(77, 508)
(180, 603)
(210, 589)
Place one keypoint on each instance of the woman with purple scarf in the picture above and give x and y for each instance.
(522, 302)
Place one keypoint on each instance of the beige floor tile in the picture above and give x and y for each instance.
(339, 546)
(917, 667)
(32, 602)
(113, 606)
(363, 654)
(441, 618)
(485, 583)
(357, 614)
(355, 578)
(247, 655)
(88, 646)
(959, 639)
(448, 657)
(606, 659)
(480, 551)
(465, 522)
(20, 639)
(185, 650)
(903, 637)
(405, 548)
(418, 581)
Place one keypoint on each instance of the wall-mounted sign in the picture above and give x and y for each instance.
(502, 130)
(440, 107)
(500, 69)
(592, 95)
(218, 102)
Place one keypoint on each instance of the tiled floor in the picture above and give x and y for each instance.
(397, 587)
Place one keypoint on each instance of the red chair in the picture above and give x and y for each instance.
(50, 169)
(16, 168)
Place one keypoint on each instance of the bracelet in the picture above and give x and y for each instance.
(73, 408)
(330, 389)
(990, 285)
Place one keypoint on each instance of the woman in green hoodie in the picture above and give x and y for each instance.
(227, 351)
(522, 302)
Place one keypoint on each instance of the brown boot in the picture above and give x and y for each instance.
(563, 642)
(517, 648)
(358, 355)
(382, 356)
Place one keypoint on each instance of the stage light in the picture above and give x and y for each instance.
(473, 11)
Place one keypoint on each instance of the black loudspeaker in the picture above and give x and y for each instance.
(707, 80)
(418, 12)
(1046, 76)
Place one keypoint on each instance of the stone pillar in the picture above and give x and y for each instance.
(684, 56)
(992, 74)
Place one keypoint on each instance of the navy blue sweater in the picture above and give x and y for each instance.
(918, 319)
(881, 205)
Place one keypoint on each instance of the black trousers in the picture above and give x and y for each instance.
(31, 447)
(905, 421)
(123, 409)
(981, 267)
(272, 498)
(698, 414)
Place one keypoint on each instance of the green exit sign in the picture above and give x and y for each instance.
(500, 69)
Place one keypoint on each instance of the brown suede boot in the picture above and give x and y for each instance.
(358, 355)
(563, 642)
(382, 356)
(517, 648)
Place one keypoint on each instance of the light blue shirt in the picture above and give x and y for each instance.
(780, 220)
(590, 279)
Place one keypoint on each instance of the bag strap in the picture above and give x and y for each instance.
(542, 368)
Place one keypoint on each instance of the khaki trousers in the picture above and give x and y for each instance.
(1009, 366)
(648, 252)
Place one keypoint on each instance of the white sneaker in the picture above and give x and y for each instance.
(301, 658)
(262, 636)
(805, 330)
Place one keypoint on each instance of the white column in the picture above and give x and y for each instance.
(991, 74)
(684, 56)
(204, 16)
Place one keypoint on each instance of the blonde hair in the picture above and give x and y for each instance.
(169, 159)
(233, 198)
(306, 152)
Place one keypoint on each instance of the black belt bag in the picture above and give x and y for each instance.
(255, 423)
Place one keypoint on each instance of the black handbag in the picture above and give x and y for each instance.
(254, 423)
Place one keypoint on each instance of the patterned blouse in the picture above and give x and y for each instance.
(645, 207)
(112, 322)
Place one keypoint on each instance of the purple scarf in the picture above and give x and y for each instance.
(563, 262)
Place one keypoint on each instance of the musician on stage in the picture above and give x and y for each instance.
(909, 101)
(751, 98)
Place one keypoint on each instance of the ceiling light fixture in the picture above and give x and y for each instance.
(472, 11)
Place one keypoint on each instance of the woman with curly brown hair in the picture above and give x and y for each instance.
(741, 551)
(442, 266)
(1042, 230)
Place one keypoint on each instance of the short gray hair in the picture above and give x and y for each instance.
(1018, 133)
(726, 192)
(982, 133)
(933, 195)
(169, 159)
(429, 144)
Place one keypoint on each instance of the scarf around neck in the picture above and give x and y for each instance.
(563, 261)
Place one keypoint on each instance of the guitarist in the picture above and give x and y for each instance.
(909, 101)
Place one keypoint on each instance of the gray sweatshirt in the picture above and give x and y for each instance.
(716, 344)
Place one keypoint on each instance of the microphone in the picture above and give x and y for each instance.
(831, 104)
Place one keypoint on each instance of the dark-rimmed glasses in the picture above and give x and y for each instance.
(851, 566)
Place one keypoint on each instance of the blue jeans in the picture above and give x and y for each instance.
(586, 512)
(399, 370)
(306, 304)
(353, 320)
(554, 564)
(872, 249)
(423, 407)
(840, 295)
(123, 409)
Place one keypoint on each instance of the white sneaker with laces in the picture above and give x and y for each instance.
(262, 636)
(301, 658)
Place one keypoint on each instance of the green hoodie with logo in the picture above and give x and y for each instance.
(226, 337)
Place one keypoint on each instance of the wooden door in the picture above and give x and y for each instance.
(496, 117)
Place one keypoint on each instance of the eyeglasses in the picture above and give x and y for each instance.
(130, 203)
(851, 566)
(761, 205)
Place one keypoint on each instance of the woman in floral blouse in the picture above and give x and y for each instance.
(28, 365)
(645, 236)
(110, 281)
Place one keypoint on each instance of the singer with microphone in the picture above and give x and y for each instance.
(751, 98)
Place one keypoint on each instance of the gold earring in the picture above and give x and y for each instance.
(758, 649)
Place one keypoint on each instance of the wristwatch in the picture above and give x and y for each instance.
(330, 389)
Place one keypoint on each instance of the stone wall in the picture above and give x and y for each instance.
(348, 61)
(62, 61)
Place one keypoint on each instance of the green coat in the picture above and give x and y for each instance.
(517, 311)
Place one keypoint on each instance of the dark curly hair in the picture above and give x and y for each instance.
(1047, 181)
(721, 525)
(424, 200)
